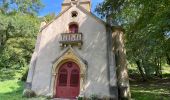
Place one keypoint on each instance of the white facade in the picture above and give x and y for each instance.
(94, 51)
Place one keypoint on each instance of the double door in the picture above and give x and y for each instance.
(68, 81)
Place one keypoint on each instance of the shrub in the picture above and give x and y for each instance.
(28, 93)
(24, 76)
(93, 97)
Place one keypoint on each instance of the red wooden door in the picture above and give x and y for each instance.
(68, 81)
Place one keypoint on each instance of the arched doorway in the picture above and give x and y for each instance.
(68, 80)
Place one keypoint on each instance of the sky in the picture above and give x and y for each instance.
(54, 6)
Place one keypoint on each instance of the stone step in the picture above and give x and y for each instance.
(62, 99)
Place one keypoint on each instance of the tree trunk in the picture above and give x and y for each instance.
(121, 64)
(5, 36)
(0, 40)
(157, 66)
(138, 63)
(160, 68)
(168, 58)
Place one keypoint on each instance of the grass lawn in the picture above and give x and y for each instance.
(11, 90)
(154, 90)
(158, 90)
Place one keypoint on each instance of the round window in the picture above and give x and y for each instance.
(74, 14)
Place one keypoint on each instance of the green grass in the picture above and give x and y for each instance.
(154, 90)
(158, 90)
(11, 90)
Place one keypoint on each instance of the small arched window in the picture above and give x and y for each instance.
(73, 28)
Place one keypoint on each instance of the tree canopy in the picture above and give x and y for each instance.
(147, 25)
(18, 31)
(22, 6)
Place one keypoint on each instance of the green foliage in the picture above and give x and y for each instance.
(18, 34)
(147, 28)
(24, 75)
(19, 26)
(80, 98)
(23, 6)
(93, 97)
(49, 17)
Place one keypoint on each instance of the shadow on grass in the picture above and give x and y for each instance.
(149, 96)
(157, 90)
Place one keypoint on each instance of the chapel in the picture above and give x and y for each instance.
(75, 55)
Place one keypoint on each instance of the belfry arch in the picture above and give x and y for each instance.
(68, 56)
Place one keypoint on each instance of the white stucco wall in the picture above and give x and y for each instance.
(94, 51)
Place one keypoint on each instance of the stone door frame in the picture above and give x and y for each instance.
(69, 55)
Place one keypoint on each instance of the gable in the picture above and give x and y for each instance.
(92, 28)
(69, 10)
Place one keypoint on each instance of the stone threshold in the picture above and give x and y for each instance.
(62, 99)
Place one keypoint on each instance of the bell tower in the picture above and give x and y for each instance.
(86, 4)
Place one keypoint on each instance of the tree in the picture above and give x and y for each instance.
(110, 9)
(18, 31)
(23, 6)
(147, 28)
(18, 34)
(48, 18)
